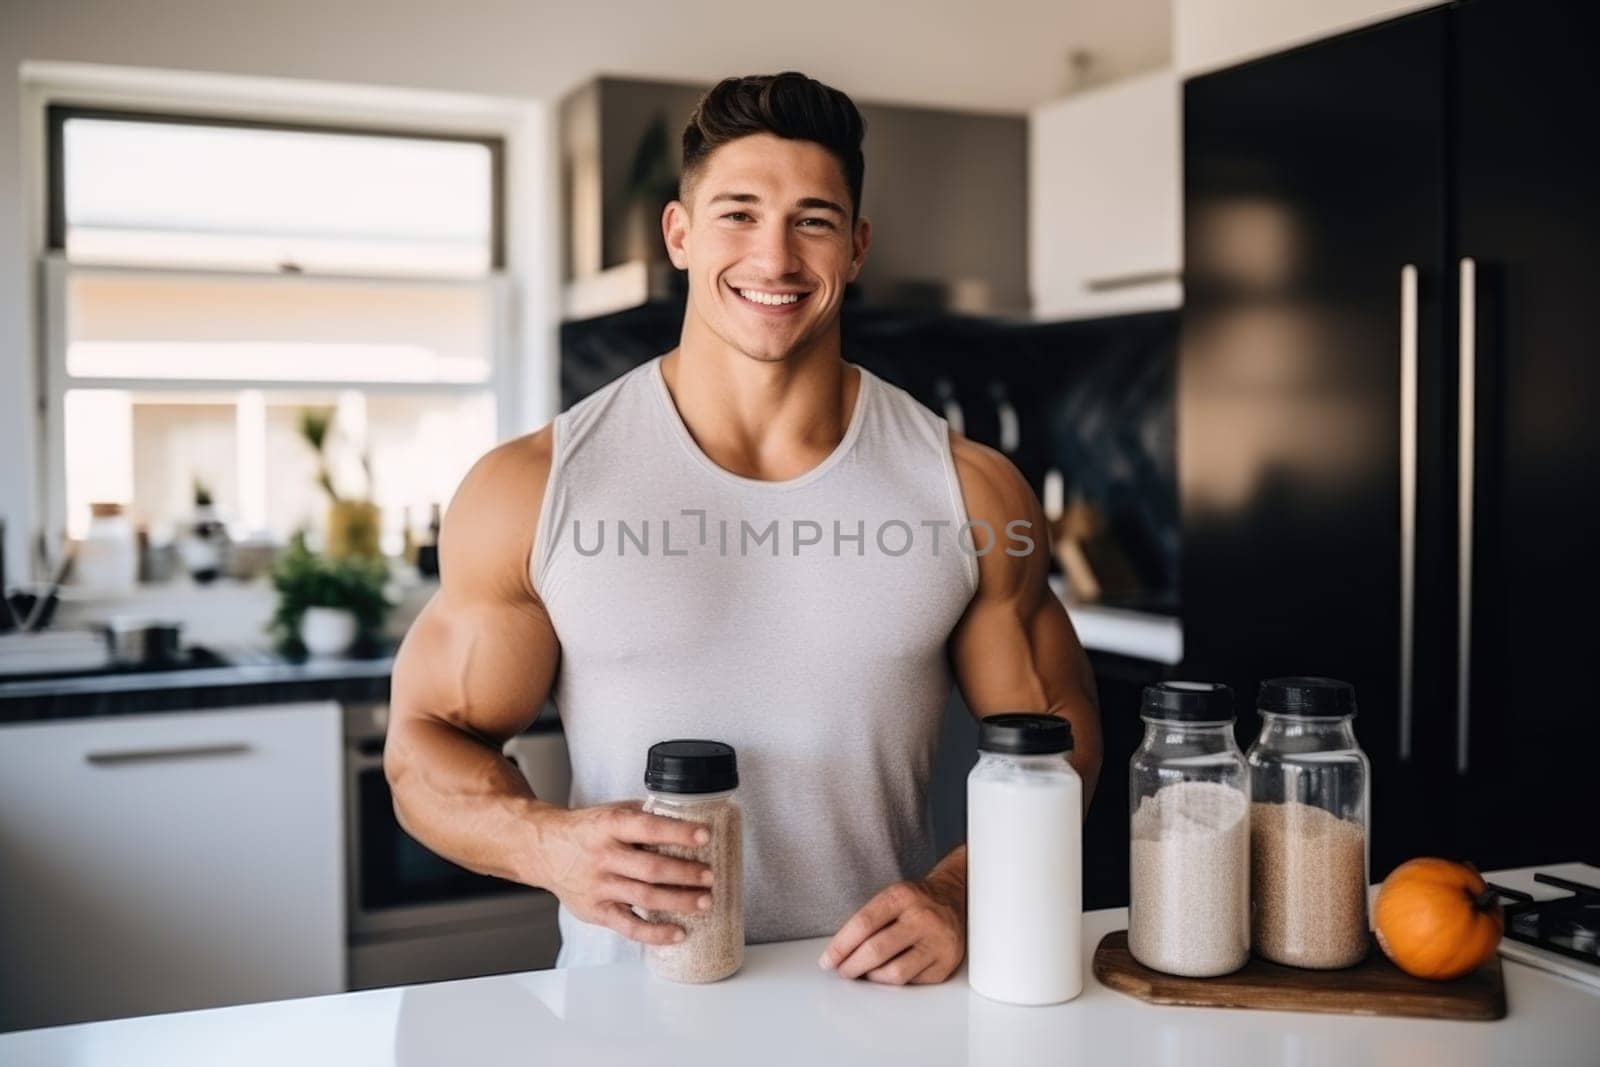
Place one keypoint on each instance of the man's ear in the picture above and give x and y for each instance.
(860, 241)
(675, 229)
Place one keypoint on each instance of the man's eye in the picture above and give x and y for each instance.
(737, 216)
(821, 224)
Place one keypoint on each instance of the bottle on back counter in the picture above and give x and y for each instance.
(1025, 862)
(697, 781)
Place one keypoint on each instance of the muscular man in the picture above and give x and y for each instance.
(746, 539)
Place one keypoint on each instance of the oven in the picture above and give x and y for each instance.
(414, 916)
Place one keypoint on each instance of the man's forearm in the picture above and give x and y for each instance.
(463, 799)
(949, 878)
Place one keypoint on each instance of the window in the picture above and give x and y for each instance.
(207, 279)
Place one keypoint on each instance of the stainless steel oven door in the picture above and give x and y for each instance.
(397, 884)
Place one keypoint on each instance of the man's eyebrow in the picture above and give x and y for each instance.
(814, 202)
(820, 204)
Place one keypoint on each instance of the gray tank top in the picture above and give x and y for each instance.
(804, 622)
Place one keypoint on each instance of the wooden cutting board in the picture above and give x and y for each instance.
(1373, 987)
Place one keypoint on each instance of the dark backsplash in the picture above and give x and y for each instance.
(1094, 399)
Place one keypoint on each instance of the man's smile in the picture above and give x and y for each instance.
(772, 301)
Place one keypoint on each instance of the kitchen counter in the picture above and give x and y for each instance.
(1142, 638)
(782, 1009)
(131, 692)
(1141, 635)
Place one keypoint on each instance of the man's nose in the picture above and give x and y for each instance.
(774, 252)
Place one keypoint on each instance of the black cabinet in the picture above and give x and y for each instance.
(1314, 208)
(1331, 195)
(1528, 231)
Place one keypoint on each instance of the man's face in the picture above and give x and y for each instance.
(768, 244)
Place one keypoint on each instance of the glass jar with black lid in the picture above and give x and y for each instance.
(1310, 821)
(1189, 853)
(698, 781)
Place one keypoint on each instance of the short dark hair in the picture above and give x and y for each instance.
(789, 105)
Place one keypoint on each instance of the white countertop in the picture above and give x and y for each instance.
(1138, 634)
(782, 1009)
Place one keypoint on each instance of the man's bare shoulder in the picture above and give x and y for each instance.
(994, 490)
(997, 494)
(488, 531)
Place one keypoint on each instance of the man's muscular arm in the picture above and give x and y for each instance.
(1013, 650)
(475, 670)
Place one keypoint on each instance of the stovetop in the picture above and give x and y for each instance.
(1568, 926)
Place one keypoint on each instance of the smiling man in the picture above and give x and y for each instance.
(748, 539)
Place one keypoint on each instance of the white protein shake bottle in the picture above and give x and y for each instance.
(1025, 862)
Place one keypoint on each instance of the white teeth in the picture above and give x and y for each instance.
(756, 296)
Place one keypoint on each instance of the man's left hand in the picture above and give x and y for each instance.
(912, 932)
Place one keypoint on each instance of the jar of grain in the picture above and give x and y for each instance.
(1309, 824)
(697, 781)
(1189, 855)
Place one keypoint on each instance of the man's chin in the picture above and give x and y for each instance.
(769, 350)
(768, 356)
(763, 346)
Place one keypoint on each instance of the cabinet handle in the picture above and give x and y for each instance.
(165, 755)
(1111, 283)
(1006, 414)
(1468, 405)
(1408, 499)
(952, 409)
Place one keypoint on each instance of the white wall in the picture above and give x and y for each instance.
(1208, 34)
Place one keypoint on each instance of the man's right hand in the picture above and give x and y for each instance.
(596, 862)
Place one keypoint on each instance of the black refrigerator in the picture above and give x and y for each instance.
(1387, 416)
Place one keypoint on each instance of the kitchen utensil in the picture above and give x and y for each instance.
(43, 606)
(134, 641)
(54, 652)
(108, 554)
(1372, 987)
(8, 618)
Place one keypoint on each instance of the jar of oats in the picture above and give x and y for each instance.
(1189, 851)
(1310, 788)
(698, 781)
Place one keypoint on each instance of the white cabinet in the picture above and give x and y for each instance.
(1105, 193)
(159, 863)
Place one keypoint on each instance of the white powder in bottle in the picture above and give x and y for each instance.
(1024, 880)
(1189, 880)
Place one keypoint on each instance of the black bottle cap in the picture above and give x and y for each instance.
(1196, 702)
(1024, 734)
(690, 767)
(1310, 698)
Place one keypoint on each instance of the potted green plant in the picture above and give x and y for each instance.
(352, 521)
(325, 606)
